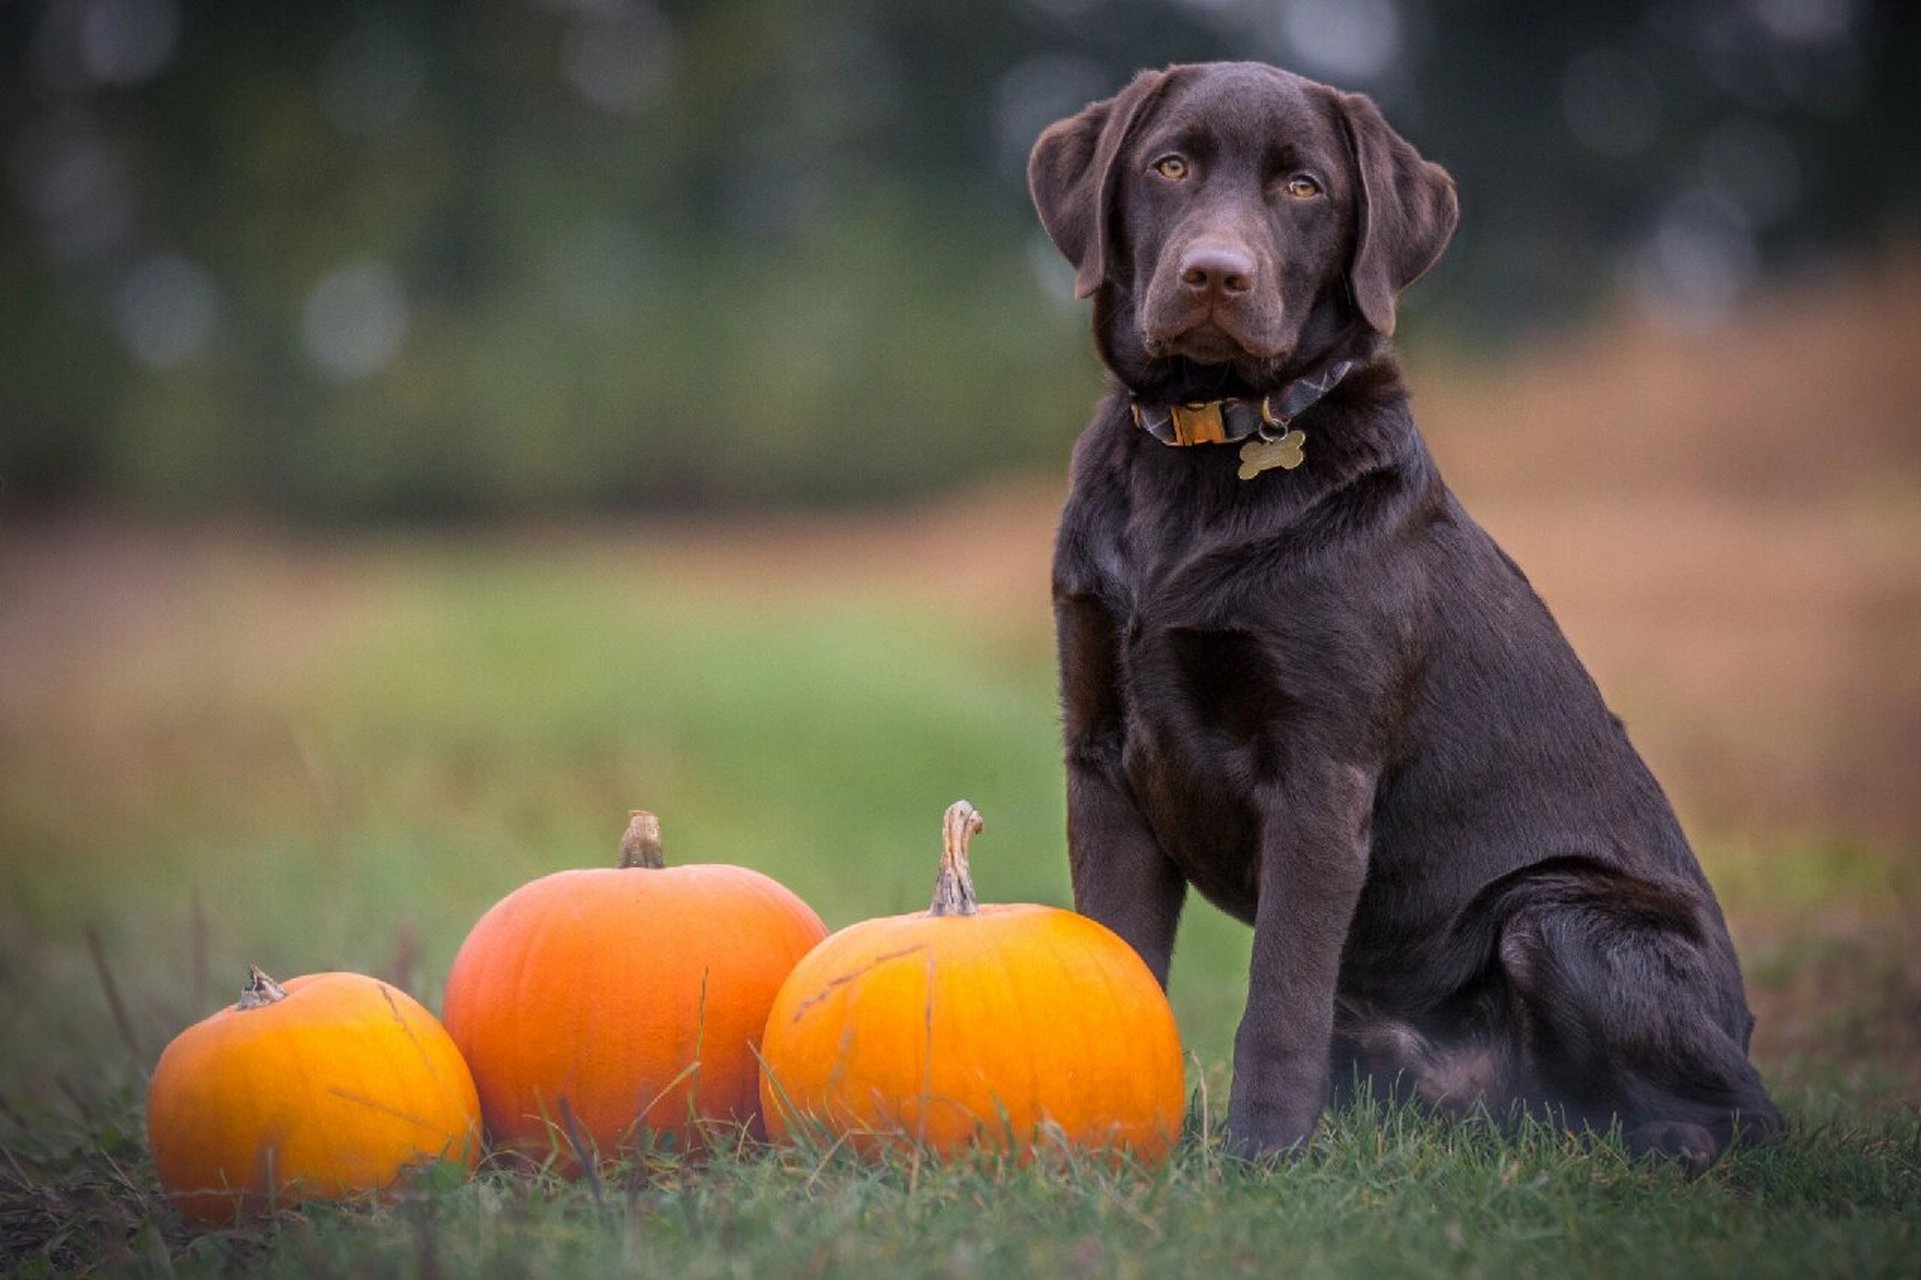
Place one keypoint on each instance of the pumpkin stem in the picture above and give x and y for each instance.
(260, 990)
(954, 888)
(640, 847)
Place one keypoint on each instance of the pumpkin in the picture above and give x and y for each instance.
(1003, 1027)
(330, 1085)
(597, 1002)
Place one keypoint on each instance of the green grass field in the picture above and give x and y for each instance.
(338, 759)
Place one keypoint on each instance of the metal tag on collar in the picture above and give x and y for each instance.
(1272, 424)
(1261, 454)
(1268, 450)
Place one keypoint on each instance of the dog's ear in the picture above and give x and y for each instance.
(1405, 210)
(1071, 176)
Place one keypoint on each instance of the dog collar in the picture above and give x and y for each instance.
(1274, 441)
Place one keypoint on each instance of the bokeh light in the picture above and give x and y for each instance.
(370, 81)
(354, 320)
(1699, 261)
(619, 55)
(127, 42)
(166, 310)
(1351, 41)
(71, 177)
(83, 43)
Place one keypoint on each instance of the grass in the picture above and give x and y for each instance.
(339, 757)
(1383, 1192)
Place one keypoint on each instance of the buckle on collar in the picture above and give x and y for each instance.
(1201, 421)
(1198, 423)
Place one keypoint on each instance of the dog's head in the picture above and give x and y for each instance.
(1234, 221)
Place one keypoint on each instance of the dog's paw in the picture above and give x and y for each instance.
(1688, 1145)
(1265, 1141)
(1252, 1158)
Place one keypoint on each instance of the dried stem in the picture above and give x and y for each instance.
(640, 847)
(954, 889)
(260, 990)
(115, 1004)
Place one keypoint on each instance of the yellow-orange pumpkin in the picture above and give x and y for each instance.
(634, 995)
(331, 1085)
(1007, 1027)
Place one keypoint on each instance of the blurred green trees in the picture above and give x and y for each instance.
(446, 259)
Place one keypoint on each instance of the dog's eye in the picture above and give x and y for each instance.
(1173, 168)
(1302, 187)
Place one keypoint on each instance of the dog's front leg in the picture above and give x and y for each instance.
(1313, 859)
(1122, 877)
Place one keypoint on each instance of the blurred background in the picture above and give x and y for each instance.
(428, 430)
(417, 260)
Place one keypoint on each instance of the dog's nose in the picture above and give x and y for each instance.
(1218, 269)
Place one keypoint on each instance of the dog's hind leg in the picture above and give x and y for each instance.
(1628, 1006)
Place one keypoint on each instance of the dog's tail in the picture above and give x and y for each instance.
(1397, 1059)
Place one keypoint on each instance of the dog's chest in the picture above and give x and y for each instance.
(1192, 754)
(1202, 700)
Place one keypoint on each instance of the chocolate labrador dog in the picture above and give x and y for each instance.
(1297, 676)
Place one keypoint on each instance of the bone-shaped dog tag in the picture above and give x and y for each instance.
(1285, 452)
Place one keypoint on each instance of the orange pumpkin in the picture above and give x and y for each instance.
(331, 1085)
(1007, 1027)
(593, 1003)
